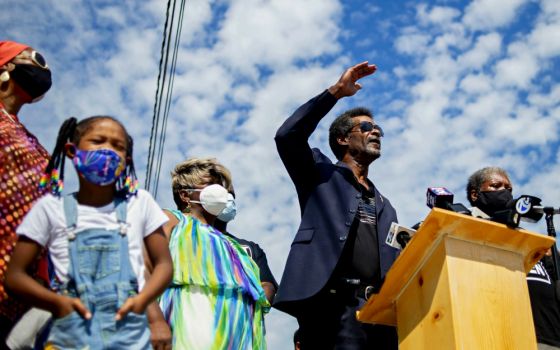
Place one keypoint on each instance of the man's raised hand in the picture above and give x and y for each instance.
(348, 84)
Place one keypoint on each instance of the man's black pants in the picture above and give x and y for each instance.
(329, 322)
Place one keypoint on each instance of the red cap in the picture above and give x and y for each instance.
(9, 50)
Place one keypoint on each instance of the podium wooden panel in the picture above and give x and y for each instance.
(460, 284)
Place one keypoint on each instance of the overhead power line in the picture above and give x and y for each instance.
(164, 91)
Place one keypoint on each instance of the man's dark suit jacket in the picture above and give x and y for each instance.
(328, 201)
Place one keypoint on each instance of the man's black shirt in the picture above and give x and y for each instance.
(361, 254)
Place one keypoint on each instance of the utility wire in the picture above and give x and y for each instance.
(159, 86)
(169, 97)
(160, 131)
(166, 78)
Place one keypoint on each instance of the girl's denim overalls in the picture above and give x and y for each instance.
(99, 274)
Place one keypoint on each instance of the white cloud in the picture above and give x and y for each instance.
(546, 100)
(545, 38)
(474, 84)
(276, 33)
(472, 105)
(491, 14)
(437, 15)
(519, 69)
(412, 42)
(486, 47)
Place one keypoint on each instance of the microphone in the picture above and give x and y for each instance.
(546, 210)
(399, 236)
(509, 217)
(525, 208)
(441, 197)
(438, 197)
(531, 210)
(477, 213)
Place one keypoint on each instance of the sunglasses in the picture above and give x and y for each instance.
(366, 126)
(38, 59)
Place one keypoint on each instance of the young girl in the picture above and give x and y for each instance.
(95, 239)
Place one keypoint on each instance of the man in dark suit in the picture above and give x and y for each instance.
(338, 257)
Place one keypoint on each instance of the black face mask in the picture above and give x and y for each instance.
(35, 81)
(492, 201)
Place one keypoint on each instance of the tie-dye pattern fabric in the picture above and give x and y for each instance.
(215, 300)
(22, 161)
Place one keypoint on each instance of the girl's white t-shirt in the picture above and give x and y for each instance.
(46, 224)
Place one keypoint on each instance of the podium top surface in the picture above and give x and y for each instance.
(438, 224)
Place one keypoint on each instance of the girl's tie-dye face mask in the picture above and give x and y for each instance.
(101, 167)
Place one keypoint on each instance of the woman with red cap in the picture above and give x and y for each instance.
(24, 78)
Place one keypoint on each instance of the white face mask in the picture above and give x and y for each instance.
(229, 211)
(213, 198)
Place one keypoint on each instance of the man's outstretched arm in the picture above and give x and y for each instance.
(292, 137)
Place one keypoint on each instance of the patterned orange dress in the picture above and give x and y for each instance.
(22, 161)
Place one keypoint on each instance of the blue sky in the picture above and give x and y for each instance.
(460, 85)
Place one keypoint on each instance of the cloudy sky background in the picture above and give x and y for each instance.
(460, 85)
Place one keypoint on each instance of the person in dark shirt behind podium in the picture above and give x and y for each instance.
(268, 282)
(338, 257)
(490, 190)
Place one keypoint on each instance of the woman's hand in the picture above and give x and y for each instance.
(160, 335)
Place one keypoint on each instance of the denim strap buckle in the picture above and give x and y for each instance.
(71, 231)
(123, 228)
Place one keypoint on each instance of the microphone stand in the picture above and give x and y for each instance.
(549, 212)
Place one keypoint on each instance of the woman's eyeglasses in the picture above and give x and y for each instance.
(366, 126)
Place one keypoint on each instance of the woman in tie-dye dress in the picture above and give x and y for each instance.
(215, 300)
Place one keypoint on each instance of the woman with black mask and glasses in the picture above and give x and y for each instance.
(490, 190)
(24, 78)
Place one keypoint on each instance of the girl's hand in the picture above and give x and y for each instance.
(134, 304)
(66, 305)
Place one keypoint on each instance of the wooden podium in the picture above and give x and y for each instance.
(460, 284)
